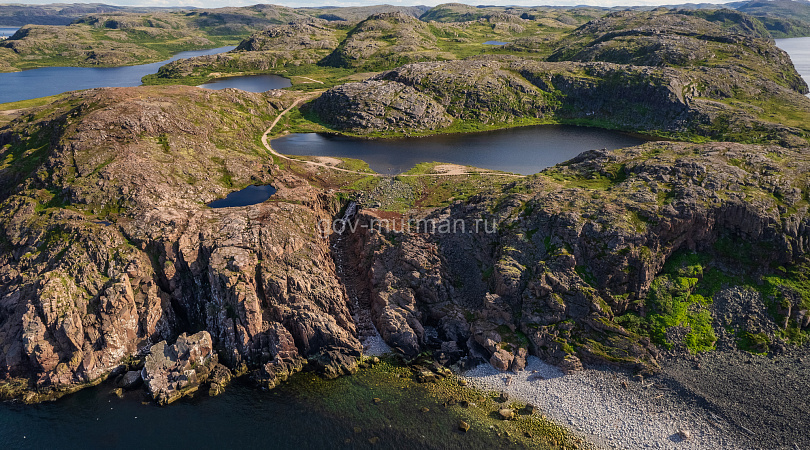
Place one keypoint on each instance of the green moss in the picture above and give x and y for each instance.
(753, 342)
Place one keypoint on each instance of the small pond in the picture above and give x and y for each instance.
(249, 83)
(495, 43)
(524, 150)
(250, 195)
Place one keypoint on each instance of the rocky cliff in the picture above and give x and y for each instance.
(570, 264)
(108, 246)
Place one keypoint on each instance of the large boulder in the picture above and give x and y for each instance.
(172, 371)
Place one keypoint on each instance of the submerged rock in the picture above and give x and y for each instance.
(131, 380)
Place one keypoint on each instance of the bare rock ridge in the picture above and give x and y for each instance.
(385, 40)
(494, 91)
(380, 105)
(720, 39)
(304, 41)
(567, 264)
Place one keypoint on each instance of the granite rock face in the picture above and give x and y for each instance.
(138, 258)
(172, 371)
(373, 106)
(564, 259)
(640, 98)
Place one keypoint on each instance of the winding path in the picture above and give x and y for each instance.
(266, 144)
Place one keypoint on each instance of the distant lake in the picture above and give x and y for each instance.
(495, 43)
(35, 83)
(524, 150)
(799, 51)
(8, 31)
(250, 83)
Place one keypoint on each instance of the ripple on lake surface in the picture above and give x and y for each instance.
(524, 150)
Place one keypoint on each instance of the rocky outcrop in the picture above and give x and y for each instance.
(108, 246)
(564, 258)
(665, 101)
(474, 90)
(386, 40)
(373, 106)
(719, 39)
(173, 371)
(299, 42)
(300, 35)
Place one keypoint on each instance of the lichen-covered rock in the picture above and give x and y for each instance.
(682, 38)
(664, 100)
(298, 35)
(305, 41)
(569, 257)
(386, 40)
(138, 258)
(172, 371)
(373, 106)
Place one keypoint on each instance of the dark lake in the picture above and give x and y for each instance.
(524, 150)
(250, 195)
(799, 51)
(305, 413)
(250, 83)
(35, 83)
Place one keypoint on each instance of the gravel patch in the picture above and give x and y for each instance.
(764, 397)
(374, 345)
(611, 408)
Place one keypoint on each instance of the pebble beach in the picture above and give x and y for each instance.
(611, 409)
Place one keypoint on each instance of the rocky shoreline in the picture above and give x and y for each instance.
(611, 408)
(722, 400)
(635, 259)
